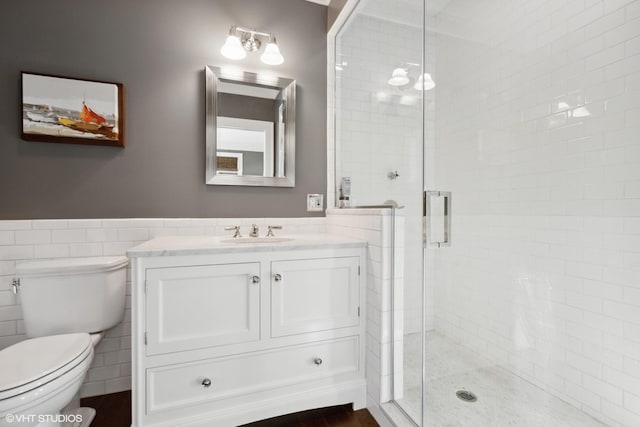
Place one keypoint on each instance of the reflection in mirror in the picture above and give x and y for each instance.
(250, 129)
(252, 140)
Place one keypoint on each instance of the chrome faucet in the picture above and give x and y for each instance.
(237, 231)
(271, 228)
(254, 231)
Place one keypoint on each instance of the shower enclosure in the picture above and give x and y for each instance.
(508, 134)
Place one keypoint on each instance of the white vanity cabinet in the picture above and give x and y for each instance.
(309, 295)
(201, 306)
(226, 333)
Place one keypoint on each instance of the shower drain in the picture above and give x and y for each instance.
(467, 396)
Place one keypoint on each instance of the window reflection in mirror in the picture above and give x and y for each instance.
(252, 140)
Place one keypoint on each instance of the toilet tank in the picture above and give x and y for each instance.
(72, 294)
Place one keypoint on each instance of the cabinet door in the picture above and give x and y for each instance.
(197, 382)
(314, 295)
(202, 306)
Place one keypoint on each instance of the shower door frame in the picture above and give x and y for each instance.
(391, 411)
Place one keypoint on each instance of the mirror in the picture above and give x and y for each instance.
(250, 129)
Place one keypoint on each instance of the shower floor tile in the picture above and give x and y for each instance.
(504, 399)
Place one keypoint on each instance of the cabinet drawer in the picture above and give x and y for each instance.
(311, 295)
(185, 384)
(201, 306)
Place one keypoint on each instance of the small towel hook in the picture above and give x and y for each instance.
(393, 175)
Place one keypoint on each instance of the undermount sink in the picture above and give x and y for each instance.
(257, 240)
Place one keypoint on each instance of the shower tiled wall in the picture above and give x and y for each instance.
(538, 138)
(47, 239)
(374, 226)
(379, 128)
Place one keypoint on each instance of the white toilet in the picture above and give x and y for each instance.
(66, 304)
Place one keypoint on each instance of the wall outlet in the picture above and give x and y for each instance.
(315, 202)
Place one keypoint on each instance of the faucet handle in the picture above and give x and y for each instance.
(271, 228)
(236, 228)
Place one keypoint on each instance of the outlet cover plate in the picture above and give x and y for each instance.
(315, 202)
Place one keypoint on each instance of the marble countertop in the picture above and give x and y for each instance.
(204, 245)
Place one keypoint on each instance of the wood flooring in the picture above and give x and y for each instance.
(114, 410)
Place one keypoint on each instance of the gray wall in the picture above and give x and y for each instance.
(252, 162)
(158, 49)
(246, 107)
(335, 7)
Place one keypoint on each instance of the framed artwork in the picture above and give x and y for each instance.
(229, 163)
(72, 111)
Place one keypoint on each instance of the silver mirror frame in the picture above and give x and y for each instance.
(288, 89)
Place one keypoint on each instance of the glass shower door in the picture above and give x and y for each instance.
(379, 146)
(532, 126)
(515, 300)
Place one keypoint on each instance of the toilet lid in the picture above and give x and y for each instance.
(33, 359)
(94, 264)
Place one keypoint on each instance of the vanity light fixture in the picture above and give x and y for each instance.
(425, 82)
(232, 48)
(241, 40)
(399, 77)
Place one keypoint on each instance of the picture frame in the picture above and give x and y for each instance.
(69, 110)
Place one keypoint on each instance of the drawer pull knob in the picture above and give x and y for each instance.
(277, 277)
(255, 279)
(206, 383)
(317, 361)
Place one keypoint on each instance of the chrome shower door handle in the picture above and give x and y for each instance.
(436, 221)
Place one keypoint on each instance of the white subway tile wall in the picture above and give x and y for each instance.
(28, 240)
(535, 127)
(374, 226)
(379, 128)
(538, 138)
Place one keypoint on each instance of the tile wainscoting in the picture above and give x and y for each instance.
(27, 240)
(110, 372)
(376, 227)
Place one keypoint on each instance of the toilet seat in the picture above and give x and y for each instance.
(37, 361)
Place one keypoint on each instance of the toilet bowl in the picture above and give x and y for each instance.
(45, 374)
(41, 375)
